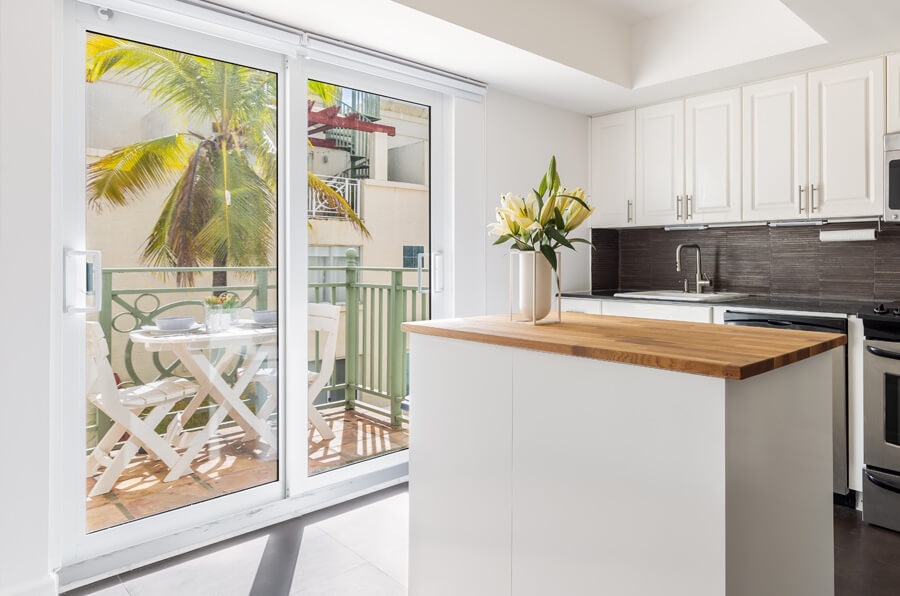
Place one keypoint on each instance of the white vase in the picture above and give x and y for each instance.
(535, 286)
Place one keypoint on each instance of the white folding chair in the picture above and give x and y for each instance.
(124, 406)
(323, 318)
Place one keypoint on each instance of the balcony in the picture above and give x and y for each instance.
(320, 208)
(365, 402)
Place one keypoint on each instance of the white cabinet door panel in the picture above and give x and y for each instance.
(893, 93)
(660, 164)
(846, 130)
(774, 149)
(713, 157)
(612, 170)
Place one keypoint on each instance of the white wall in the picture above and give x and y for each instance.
(520, 138)
(31, 263)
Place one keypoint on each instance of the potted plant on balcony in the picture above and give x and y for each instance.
(537, 226)
(220, 312)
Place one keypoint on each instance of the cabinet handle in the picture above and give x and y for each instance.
(628, 212)
(688, 204)
(677, 206)
(812, 197)
(800, 191)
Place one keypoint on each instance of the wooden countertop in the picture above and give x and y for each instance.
(725, 351)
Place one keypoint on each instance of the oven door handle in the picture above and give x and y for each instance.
(883, 353)
(881, 483)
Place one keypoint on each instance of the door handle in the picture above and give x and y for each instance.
(628, 212)
(436, 270)
(881, 483)
(688, 207)
(83, 280)
(800, 191)
(812, 198)
(883, 353)
(677, 206)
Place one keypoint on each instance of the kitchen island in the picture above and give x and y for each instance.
(621, 456)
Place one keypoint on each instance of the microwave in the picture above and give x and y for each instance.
(892, 177)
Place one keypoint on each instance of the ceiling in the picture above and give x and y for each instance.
(635, 11)
(599, 56)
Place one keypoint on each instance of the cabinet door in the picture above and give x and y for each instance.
(612, 170)
(712, 160)
(774, 150)
(660, 164)
(846, 130)
(893, 93)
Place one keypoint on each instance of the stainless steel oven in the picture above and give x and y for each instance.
(881, 422)
(892, 177)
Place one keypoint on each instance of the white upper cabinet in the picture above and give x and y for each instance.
(775, 149)
(612, 170)
(659, 189)
(712, 139)
(893, 93)
(846, 130)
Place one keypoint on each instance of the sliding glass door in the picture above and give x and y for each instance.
(172, 279)
(369, 258)
(196, 292)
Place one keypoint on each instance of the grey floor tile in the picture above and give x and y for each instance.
(109, 587)
(364, 580)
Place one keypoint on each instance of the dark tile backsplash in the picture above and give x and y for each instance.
(757, 260)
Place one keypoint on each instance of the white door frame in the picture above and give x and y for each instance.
(75, 544)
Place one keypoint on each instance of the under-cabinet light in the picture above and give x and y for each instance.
(796, 224)
(685, 228)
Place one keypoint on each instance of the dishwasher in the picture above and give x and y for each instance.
(839, 395)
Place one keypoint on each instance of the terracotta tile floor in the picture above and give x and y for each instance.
(228, 464)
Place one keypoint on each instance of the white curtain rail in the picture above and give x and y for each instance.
(226, 23)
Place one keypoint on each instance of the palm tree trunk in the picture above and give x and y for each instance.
(220, 278)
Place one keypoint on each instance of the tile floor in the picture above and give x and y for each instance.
(360, 548)
(228, 464)
(354, 549)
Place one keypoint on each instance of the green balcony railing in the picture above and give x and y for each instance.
(376, 302)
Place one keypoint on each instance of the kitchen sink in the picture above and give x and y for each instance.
(684, 296)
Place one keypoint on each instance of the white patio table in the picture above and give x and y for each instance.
(189, 347)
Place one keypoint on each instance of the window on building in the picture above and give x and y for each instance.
(327, 284)
(411, 256)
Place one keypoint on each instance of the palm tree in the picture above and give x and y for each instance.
(220, 209)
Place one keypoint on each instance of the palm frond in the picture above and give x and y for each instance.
(178, 81)
(240, 232)
(125, 174)
(338, 203)
(329, 94)
(173, 240)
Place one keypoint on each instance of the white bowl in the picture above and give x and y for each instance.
(175, 323)
(265, 317)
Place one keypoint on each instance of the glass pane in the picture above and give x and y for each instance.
(369, 201)
(892, 409)
(182, 201)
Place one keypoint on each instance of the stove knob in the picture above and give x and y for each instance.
(880, 309)
(896, 311)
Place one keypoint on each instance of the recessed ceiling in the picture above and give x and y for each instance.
(599, 56)
(635, 11)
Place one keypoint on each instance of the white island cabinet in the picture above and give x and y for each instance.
(611, 455)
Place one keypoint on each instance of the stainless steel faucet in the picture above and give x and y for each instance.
(701, 281)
